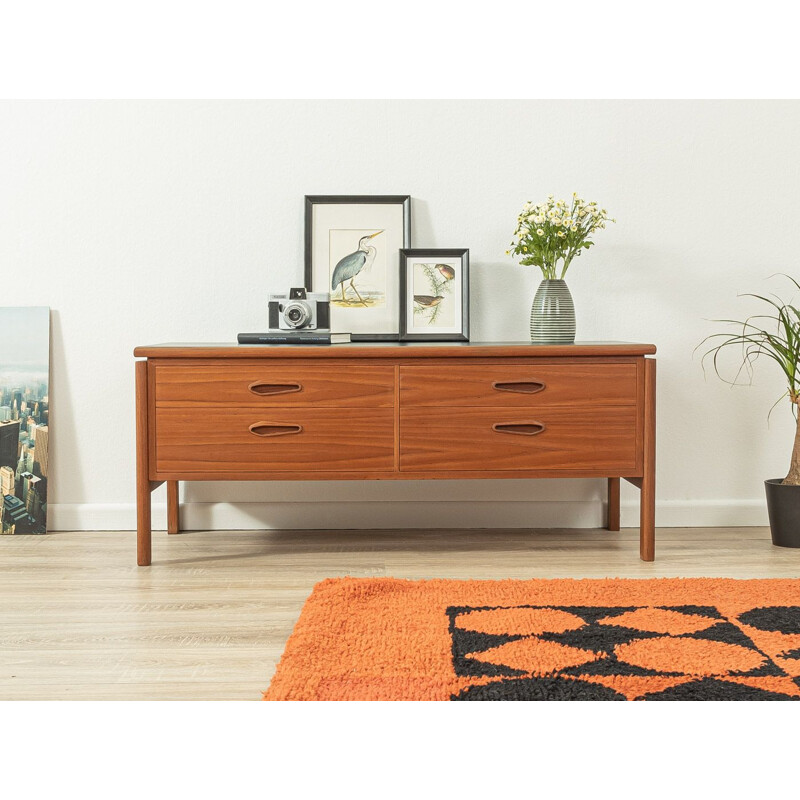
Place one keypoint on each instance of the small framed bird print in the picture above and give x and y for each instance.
(352, 252)
(434, 295)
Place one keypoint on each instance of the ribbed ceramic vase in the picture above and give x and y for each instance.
(552, 314)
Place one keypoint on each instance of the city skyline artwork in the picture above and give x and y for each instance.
(24, 419)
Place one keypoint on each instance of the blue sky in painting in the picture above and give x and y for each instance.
(24, 339)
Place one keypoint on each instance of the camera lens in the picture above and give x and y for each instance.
(297, 314)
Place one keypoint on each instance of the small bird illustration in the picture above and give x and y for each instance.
(428, 300)
(447, 271)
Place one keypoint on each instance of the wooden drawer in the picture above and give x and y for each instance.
(503, 439)
(238, 440)
(533, 386)
(275, 386)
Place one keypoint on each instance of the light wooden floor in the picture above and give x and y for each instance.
(210, 617)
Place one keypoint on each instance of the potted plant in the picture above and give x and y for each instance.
(779, 341)
(550, 235)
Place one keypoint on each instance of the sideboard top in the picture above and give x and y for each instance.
(394, 350)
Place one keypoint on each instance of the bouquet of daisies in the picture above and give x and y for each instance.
(555, 232)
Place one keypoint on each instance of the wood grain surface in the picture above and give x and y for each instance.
(395, 350)
(497, 384)
(647, 502)
(208, 439)
(612, 506)
(231, 384)
(81, 621)
(143, 483)
(393, 411)
(468, 438)
(173, 507)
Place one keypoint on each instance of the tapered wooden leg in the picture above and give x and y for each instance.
(613, 504)
(647, 501)
(143, 521)
(173, 508)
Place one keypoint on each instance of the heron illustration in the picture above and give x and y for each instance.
(352, 264)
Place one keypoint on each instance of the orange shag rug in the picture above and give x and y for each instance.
(663, 639)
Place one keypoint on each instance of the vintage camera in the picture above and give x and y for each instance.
(299, 311)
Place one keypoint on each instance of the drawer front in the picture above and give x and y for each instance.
(276, 386)
(533, 386)
(507, 439)
(291, 440)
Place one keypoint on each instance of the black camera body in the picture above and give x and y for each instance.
(299, 310)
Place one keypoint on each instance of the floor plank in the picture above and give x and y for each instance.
(210, 617)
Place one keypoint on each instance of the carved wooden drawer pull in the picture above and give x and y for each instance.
(520, 387)
(264, 389)
(270, 429)
(520, 428)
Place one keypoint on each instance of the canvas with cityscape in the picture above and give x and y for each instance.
(24, 419)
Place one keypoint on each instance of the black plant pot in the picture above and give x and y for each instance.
(783, 507)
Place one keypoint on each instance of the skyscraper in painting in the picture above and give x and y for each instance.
(9, 442)
(24, 419)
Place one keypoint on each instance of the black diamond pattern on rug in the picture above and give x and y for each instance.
(681, 652)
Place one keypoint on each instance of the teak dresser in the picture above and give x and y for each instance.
(395, 411)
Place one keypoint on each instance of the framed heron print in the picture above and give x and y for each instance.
(353, 245)
(434, 295)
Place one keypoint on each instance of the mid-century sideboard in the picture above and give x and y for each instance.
(395, 411)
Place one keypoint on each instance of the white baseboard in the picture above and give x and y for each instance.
(404, 514)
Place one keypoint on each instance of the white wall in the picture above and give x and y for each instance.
(145, 222)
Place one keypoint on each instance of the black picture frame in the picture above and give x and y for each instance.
(403, 200)
(452, 253)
